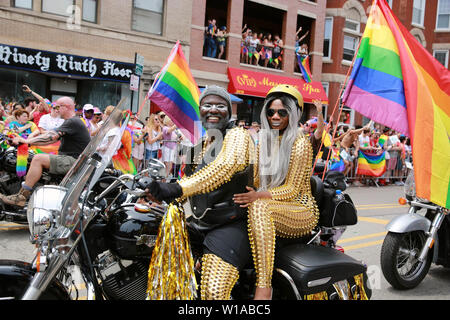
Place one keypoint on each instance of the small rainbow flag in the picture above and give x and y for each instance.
(303, 63)
(122, 159)
(371, 165)
(22, 159)
(395, 81)
(50, 148)
(176, 93)
(382, 140)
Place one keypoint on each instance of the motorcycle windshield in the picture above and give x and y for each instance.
(90, 165)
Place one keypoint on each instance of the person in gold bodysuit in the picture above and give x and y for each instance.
(281, 204)
(217, 167)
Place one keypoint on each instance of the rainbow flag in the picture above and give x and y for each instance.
(122, 160)
(371, 165)
(395, 81)
(303, 64)
(50, 148)
(382, 140)
(22, 159)
(176, 93)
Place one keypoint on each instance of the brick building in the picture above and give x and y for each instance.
(427, 20)
(250, 82)
(86, 48)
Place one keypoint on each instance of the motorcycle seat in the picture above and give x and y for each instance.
(313, 268)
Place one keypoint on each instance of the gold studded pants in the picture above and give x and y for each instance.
(268, 218)
(218, 278)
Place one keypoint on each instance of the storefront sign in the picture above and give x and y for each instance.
(66, 64)
(258, 84)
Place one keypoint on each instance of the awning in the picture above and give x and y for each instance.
(257, 84)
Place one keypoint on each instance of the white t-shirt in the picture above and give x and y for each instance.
(364, 141)
(47, 122)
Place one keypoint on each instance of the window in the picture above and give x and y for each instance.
(25, 4)
(60, 7)
(90, 10)
(351, 25)
(350, 45)
(418, 12)
(327, 37)
(441, 56)
(148, 16)
(443, 15)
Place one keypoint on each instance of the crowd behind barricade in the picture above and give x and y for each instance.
(159, 138)
(257, 48)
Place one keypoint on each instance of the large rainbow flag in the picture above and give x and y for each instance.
(371, 165)
(176, 93)
(395, 81)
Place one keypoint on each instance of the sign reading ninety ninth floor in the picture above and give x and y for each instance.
(54, 62)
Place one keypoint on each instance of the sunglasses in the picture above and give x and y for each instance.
(281, 112)
(208, 106)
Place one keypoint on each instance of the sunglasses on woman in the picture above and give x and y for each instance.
(283, 113)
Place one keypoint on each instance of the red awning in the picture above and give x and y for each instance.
(257, 84)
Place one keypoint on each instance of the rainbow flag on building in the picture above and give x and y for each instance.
(303, 64)
(371, 165)
(176, 93)
(395, 81)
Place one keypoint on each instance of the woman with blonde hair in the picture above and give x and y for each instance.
(169, 147)
(153, 136)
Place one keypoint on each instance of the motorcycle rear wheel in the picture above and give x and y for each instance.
(399, 259)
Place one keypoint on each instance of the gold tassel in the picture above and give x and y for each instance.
(171, 272)
(317, 296)
(360, 291)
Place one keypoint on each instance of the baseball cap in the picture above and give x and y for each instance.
(97, 111)
(88, 107)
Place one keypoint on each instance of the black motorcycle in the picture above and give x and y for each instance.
(10, 182)
(110, 240)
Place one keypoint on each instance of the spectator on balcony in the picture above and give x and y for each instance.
(267, 47)
(277, 51)
(211, 44)
(259, 48)
(221, 40)
(253, 42)
(298, 42)
(244, 48)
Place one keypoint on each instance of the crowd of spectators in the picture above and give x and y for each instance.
(257, 48)
(159, 138)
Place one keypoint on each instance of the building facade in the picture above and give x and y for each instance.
(251, 79)
(87, 48)
(345, 20)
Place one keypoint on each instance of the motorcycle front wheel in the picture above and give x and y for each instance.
(399, 259)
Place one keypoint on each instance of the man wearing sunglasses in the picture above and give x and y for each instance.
(74, 138)
(216, 168)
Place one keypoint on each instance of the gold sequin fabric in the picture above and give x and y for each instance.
(236, 154)
(292, 212)
(218, 278)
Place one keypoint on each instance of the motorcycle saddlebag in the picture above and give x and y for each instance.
(335, 212)
(15, 277)
(314, 269)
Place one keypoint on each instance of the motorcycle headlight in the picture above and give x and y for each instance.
(44, 205)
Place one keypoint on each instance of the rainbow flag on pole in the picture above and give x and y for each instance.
(397, 82)
(176, 93)
(371, 165)
(303, 64)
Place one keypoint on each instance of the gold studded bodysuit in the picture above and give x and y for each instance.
(292, 211)
(218, 276)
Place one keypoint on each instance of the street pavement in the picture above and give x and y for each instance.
(376, 207)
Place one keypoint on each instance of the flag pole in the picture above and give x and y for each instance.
(341, 107)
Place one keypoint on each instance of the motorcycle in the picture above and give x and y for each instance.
(415, 240)
(10, 182)
(110, 241)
